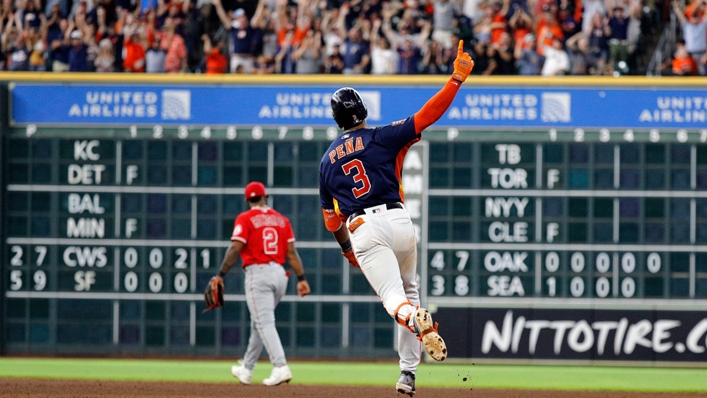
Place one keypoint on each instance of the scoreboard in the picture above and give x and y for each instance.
(110, 234)
(112, 238)
(568, 220)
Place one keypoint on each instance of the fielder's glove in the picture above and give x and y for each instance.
(349, 254)
(463, 64)
(213, 295)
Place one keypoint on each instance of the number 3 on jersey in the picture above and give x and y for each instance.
(360, 176)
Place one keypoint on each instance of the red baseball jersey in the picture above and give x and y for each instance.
(265, 233)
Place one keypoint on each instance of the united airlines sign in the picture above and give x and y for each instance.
(298, 106)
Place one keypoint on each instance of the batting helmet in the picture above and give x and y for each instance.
(348, 108)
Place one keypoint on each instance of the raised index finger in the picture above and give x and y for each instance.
(461, 47)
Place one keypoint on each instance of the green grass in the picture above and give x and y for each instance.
(372, 374)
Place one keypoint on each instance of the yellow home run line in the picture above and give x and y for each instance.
(357, 80)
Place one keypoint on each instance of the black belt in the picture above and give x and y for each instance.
(389, 206)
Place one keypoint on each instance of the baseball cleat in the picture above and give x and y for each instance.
(406, 383)
(278, 376)
(427, 333)
(242, 373)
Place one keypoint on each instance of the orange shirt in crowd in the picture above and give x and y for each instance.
(497, 32)
(542, 22)
(296, 39)
(216, 63)
(577, 11)
(685, 66)
(554, 32)
(519, 34)
(134, 57)
(690, 9)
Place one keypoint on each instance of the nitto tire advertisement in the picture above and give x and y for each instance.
(621, 335)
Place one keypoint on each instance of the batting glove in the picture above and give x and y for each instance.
(349, 254)
(463, 64)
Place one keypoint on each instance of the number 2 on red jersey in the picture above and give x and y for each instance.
(360, 176)
(270, 240)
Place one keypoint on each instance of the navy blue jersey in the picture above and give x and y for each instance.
(362, 168)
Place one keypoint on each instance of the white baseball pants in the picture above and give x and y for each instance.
(265, 284)
(386, 250)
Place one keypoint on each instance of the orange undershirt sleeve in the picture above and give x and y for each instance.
(436, 106)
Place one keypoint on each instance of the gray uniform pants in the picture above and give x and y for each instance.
(265, 284)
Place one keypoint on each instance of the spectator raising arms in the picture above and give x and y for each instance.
(591, 8)
(618, 42)
(284, 57)
(214, 63)
(498, 20)
(599, 32)
(297, 21)
(521, 23)
(133, 50)
(308, 56)
(242, 32)
(384, 60)
(409, 53)
(355, 49)
(583, 62)
(16, 48)
(694, 29)
(549, 30)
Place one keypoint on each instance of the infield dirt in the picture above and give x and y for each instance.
(33, 388)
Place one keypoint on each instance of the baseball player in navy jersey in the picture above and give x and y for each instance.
(263, 238)
(361, 193)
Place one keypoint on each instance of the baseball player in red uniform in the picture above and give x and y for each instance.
(361, 193)
(263, 238)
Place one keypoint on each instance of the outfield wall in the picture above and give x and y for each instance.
(557, 219)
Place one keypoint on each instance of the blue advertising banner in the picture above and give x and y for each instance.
(484, 107)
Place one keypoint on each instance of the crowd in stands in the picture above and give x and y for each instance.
(690, 57)
(505, 37)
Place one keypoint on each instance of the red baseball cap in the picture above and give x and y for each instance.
(254, 189)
